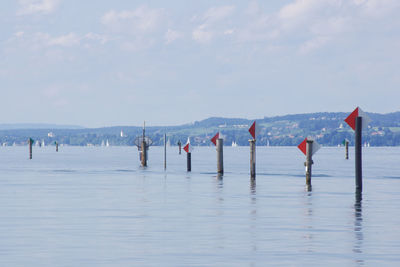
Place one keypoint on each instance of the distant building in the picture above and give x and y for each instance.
(51, 134)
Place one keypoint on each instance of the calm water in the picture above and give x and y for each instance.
(95, 206)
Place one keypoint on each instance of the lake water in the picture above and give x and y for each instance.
(95, 206)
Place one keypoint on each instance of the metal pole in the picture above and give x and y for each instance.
(358, 153)
(180, 146)
(165, 151)
(308, 163)
(220, 155)
(252, 158)
(56, 146)
(189, 162)
(347, 149)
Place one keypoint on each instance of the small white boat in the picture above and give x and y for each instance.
(234, 144)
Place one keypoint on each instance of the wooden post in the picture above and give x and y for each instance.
(346, 144)
(189, 162)
(252, 158)
(30, 141)
(165, 151)
(180, 146)
(144, 153)
(220, 155)
(358, 153)
(309, 163)
(56, 146)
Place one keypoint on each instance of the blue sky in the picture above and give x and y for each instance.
(100, 63)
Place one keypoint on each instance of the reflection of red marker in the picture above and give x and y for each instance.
(214, 139)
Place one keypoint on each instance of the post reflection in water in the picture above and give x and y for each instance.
(253, 216)
(308, 212)
(219, 212)
(358, 233)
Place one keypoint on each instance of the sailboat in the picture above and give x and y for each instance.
(43, 143)
(234, 144)
(107, 143)
(102, 143)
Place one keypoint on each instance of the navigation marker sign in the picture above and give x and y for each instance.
(188, 148)
(351, 119)
(253, 130)
(214, 139)
(303, 146)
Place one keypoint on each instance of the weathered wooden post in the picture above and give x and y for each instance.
(358, 120)
(144, 153)
(189, 161)
(309, 147)
(252, 158)
(165, 151)
(346, 144)
(179, 145)
(219, 143)
(252, 142)
(30, 142)
(309, 162)
(220, 155)
(188, 150)
(358, 153)
(144, 147)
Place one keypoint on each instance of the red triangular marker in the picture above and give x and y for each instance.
(351, 119)
(303, 146)
(252, 130)
(186, 148)
(214, 139)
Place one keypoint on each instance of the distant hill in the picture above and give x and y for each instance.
(328, 128)
(15, 126)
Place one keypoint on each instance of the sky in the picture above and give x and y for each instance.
(99, 63)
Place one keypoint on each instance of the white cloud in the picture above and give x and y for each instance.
(201, 35)
(37, 6)
(70, 39)
(139, 20)
(171, 36)
(211, 22)
(97, 37)
(229, 31)
(215, 14)
(378, 8)
(313, 44)
(19, 34)
(299, 8)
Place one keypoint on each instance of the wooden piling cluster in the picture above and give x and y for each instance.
(307, 147)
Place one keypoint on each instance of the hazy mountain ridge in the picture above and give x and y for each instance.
(328, 128)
